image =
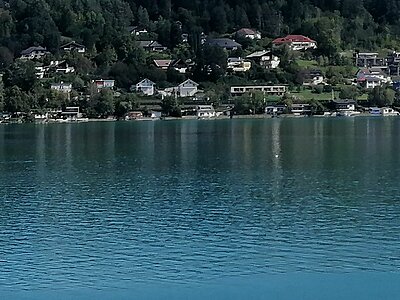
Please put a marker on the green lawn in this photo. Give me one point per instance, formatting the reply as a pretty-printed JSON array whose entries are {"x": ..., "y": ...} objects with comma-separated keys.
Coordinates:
[
  {"x": 307, "y": 64},
  {"x": 308, "y": 95}
]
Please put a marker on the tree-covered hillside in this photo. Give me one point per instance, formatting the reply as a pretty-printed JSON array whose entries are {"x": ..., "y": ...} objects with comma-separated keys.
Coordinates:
[
  {"x": 102, "y": 26},
  {"x": 333, "y": 23}
]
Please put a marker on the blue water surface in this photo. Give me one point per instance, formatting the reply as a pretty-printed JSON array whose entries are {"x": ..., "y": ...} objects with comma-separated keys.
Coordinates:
[{"x": 228, "y": 209}]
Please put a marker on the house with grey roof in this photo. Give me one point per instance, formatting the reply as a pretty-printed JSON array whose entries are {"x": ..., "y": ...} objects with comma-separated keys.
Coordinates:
[
  {"x": 248, "y": 33},
  {"x": 152, "y": 46},
  {"x": 225, "y": 43},
  {"x": 73, "y": 47},
  {"x": 34, "y": 53}
]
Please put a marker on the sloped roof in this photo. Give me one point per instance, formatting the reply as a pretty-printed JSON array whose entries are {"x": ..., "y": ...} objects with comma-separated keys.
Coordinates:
[
  {"x": 258, "y": 54},
  {"x": 72, "y": 43},
  {"x": 149, "y": 44},
  {"x": 147, "y": 81},
  {"x": 32, "y": 49},
  {"x": 223, "y": 43},
  {"x": 145, "y": 44},
  {"x": 189, "y": 81},
  {"x": 293, "y": 38},
  {"x": 247, "y": 31},
  {"x": 162, "y": 63}
]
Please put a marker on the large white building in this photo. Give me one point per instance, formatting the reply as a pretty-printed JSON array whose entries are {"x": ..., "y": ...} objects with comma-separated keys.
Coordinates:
[{"x": 274, "y": 90}]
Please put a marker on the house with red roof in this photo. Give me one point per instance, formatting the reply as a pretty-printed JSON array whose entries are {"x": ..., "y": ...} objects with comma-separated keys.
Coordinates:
[{"x": 295, "y": 42}]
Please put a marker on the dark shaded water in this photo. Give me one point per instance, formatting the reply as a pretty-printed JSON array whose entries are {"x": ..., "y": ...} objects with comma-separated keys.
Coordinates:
[{"x": 199, "y": 209}]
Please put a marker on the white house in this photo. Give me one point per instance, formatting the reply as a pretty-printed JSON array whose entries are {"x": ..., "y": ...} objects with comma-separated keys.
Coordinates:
[
  {"x": 295, "y": 42},
  {"x": 345, "y": 106},
  {"x": 104, "y": 83},
  {"x": 248, "y": 34},
  {"x": 275, "y": 109},
  {"x": 265, "y": 59},
  {"x": 301, "y": 109},
  {"x": 274, "y": 90},
  {"x": 146, "y": 87},
  {"x": 237, "y": 64},
  {"x": 61, "y": 67},
  {"x": 62, "y": 87},
  {"x": 372, "y": 77},
  {"x": 205, "y": 111},
  {"x": 188, "y": 88}
]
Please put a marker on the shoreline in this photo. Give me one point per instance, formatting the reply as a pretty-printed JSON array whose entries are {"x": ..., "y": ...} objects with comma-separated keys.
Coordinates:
[{"x": 193, "y": 118}]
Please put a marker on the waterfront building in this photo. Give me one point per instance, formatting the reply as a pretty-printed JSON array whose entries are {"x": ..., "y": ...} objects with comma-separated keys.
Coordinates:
[
  {"x": 301, "y": 109},
  {"x": 205, "y": 111}
]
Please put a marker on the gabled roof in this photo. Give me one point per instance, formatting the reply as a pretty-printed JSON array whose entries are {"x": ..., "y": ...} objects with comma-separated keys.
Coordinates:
[
  {"x": 150, "y": 44},
  {"x": 155, "y": 44},
  {"x": 247, "y": 31},
  {"x": 223, "y": 43},
  {"x": 72, "y": 43},
  {"x": 144, "y": 44},
  {"x": 190, "y": 81},
  {"x": 162, "y": 63},
  {"x": 371, "y": 72},
  {"x": 179, "y": 62},
  {"x": 292, "y": 38},
  {"x": 147, "y": 81},
  {"x": 258, "y": 54},
  {"x": 33, "y": 49},
  {"x": 234, "y": 59}
]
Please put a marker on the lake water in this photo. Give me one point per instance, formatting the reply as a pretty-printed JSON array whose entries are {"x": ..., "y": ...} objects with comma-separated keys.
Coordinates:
[{"x": 229, "y": 209}]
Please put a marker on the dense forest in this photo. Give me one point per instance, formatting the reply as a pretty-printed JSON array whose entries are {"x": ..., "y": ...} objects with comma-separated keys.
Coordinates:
[
  {"x": 101, "y": 26},
  {"x": 99, "y": 23}
]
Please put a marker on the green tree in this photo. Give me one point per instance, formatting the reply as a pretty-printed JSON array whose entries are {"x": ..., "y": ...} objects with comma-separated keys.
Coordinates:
[
  {"x": 381, "y": 96},
  {"x": 102, "y": 104},
  {"x": 125, "y": 103},
  {"x": 170, "y": 106},
  {"x": 6, "y": 57},
  {"x": 16, "y": 100},
  {"x": 143, "y": 17},
  {"x": 348, "y": 92},
  {"x": 21, "y": 74},
  {"x": 219, "y": 22}
]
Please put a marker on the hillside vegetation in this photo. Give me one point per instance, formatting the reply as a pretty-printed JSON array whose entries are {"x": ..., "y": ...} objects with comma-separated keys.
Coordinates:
[{"x": 112, "y": 52}]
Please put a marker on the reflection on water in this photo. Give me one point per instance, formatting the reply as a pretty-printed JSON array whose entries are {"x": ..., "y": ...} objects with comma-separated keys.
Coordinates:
[{"x": 107, "y": 204}]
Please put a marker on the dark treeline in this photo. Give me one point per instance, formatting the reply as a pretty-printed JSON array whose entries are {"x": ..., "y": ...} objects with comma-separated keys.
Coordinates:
[{"x": 99, "y": 23}]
